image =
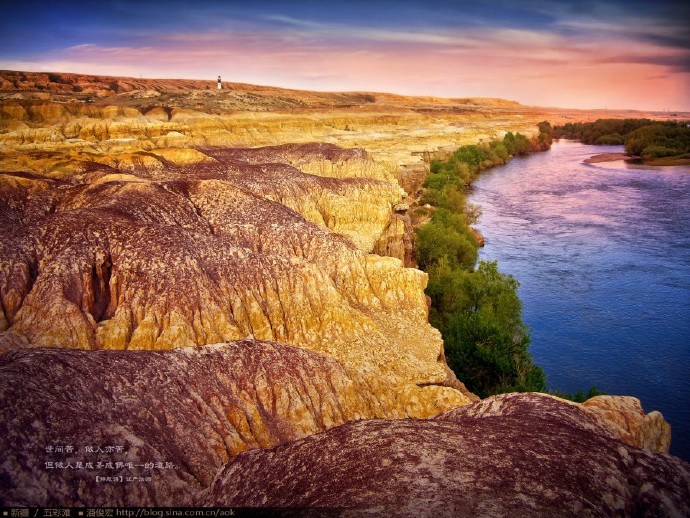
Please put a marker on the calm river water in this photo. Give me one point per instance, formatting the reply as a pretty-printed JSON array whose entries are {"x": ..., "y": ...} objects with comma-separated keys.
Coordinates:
[{"x": 602, "y": 253}]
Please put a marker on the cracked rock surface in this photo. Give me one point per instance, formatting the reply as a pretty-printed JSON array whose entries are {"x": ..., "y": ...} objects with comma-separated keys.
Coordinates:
[
  {"x": 194, "y": 408},
  {"x": 521, "y": 455}
]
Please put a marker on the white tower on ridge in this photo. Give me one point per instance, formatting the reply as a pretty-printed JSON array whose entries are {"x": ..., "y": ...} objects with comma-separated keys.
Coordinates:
[{"x": 220, "y": 85}]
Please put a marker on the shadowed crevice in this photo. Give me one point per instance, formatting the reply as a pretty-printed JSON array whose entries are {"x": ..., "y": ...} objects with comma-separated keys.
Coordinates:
[{"x": 100, "y": 285}]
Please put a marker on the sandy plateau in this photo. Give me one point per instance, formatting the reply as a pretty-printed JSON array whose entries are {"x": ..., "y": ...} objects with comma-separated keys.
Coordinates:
[{"x": 244, "y": 258}]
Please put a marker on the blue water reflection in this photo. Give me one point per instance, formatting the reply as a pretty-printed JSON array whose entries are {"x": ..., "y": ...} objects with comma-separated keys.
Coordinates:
[{"x": 602, "y": 252}]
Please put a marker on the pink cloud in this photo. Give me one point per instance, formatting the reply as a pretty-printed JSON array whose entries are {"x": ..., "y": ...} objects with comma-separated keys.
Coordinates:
[{"x": 533, "y": 67}]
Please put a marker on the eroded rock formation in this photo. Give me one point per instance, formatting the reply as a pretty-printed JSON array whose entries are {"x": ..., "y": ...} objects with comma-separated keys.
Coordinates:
[
  {"x": 234, "y": 425},
  {"x": 624, "y": 417},
  {"x": 195, "y": 408},
  {"x": 234, "y": 246},
  {"x": 511, "y": 455},
  {"x": 144, "y": 233},
  {"x": 392, "y": 129}
]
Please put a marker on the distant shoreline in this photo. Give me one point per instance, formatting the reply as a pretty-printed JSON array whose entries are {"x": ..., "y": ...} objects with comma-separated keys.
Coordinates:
[
  {"x": 609, "y": 157},
  {"x": 612, "y": 157}
]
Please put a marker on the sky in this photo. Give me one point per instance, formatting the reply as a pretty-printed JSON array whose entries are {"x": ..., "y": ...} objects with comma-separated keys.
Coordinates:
[{"x": 622, "y": 54}]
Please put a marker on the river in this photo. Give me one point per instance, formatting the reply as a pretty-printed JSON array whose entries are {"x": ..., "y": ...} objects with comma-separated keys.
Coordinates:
[{"x": 602, "y": 253}]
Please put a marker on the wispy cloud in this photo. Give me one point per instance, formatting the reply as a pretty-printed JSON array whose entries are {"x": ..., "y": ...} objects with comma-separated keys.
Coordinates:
[
  {"x": 677, "y": 62},
  {"x": 311, "y": 29},
  {"x": 587, "y": 54}
]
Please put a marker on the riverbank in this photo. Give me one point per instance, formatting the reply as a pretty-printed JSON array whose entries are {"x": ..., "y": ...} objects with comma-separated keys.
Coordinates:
[
  {"x": 613, "y": 157},
  {"x": 608, "y": 157},
  {"x": 475, "y": 306},
  {"x": 667, "y": 161}
]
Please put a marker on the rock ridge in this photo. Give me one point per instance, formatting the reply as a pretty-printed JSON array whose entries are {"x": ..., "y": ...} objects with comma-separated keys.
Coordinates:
[
  {"x": 509, "y": 455},
  {"x": 254, "y": 423},
  {"x": 193, "y": 407},
  {"x": 238, "y": 246}
]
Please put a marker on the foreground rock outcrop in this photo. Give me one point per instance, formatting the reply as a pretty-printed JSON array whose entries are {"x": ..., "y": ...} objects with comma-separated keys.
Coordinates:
[
  {"x": 262, "y": 424},
  {"x": 523, "y": 455},
  {"x": 624, "y": 417},
  {"x": 192, "y": 408}
]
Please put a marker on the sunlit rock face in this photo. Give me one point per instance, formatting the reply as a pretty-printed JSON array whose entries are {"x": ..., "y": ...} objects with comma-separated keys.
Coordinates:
[
  {"x": 171, "y": 288},
  {"x": 195, "y": 408},
  {"x": 625, "y": 418},
  {"x": 509, "y": 455},
  {"x": 148, "y": 115},
  {"x": 355, "y": 203},
  {"x": 233, "y": 246}
]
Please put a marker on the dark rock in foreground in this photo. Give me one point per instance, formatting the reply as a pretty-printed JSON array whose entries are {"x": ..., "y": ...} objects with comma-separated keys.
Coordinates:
[
  {"x": 511, "y": 455},
  {"x": 185, "y": 419},
  {"x": 177, "y": 416}
]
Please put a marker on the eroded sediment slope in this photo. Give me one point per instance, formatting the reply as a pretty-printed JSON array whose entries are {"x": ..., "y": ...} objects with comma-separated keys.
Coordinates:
[
  {"x": 235, "y": 246},
  {"x": 397, "y": 134}
]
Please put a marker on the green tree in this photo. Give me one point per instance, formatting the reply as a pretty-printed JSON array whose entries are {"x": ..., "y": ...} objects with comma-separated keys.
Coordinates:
[
  {"x": 545, "y": 127},
  {"x": 446, "y": 236},
  {"x": 479, "y": 315},
  {"x": 656, "y": 140},
  {"x": 500, "y": 151},
  {"x": 516, "y": 144},
  {"x": 522, "y": 144},
  {"x": 614, "y": 139}
]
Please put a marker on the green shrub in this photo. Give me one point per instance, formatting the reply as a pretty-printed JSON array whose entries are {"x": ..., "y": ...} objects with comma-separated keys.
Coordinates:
[
  {"x": 661, "y": 138},
  {"x": 591, "y": 132},
  {"x": 579, "y": 396},
  {"x": 660, "y": 152},
  {"x": 516, "y": 144},
  {"x": 616, "y": 139},
  {"x": 499, "y": 150},
  {"x": 447, "y": 236},
  {"x": 479, "y": 315},
  {"x": 471, "y": 155},
  {"x": 545, "y": 128}
]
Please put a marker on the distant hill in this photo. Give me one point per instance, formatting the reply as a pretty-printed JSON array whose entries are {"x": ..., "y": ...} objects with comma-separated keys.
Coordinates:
[{"x": 204, "y": 94}]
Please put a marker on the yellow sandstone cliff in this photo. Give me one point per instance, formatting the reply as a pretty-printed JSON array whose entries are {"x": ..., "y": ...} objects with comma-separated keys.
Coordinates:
[
  {"x": 132, "y": 226},
  {"x": 235, "y": 246}
]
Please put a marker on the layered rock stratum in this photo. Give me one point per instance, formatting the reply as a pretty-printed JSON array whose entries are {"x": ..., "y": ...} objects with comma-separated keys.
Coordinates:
[
  {"x": 526, "y": 455},
  {"x": 207, "y": 279},
  {"x": 194, "y": 408},
  {"x": 238, "y": 425},
  {"x": 235, "y": 246}
]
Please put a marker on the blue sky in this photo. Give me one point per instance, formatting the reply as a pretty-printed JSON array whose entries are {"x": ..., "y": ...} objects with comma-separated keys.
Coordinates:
[{"x": 621, "y": 54}]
